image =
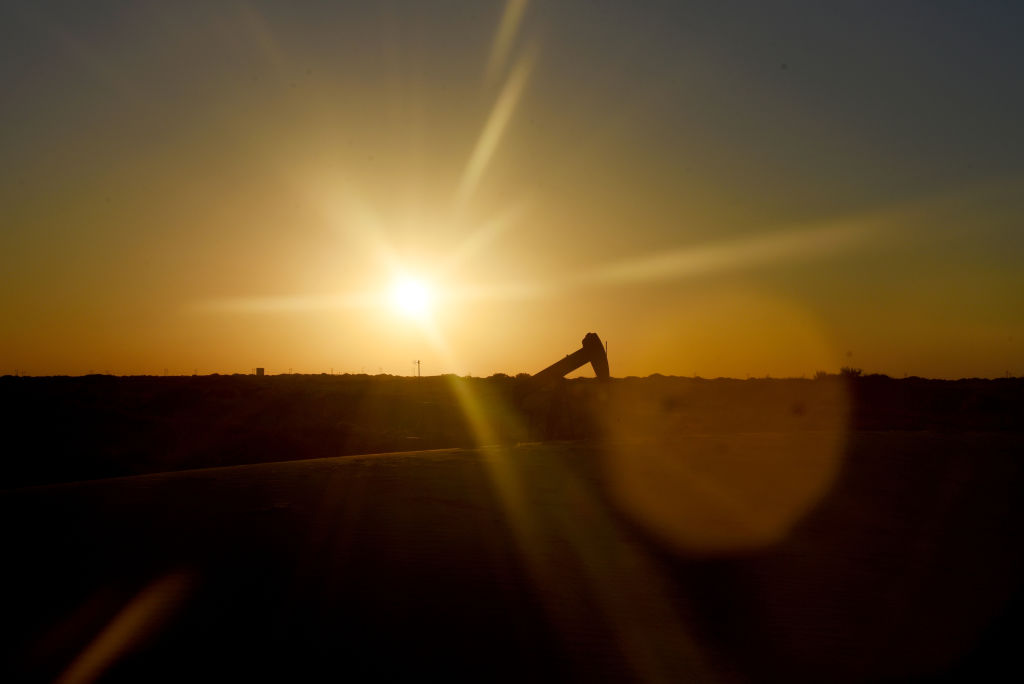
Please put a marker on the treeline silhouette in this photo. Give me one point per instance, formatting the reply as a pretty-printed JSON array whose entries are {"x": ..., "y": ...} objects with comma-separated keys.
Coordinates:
[{"x": 59, "y": 429}]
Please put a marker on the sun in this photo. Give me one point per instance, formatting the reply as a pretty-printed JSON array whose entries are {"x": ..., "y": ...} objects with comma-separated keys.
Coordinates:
[{"x": 411, "y": 297}]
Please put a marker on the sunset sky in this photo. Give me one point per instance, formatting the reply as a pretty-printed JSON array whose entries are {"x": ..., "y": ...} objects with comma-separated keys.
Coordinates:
[{"x": 716, "y": 188}]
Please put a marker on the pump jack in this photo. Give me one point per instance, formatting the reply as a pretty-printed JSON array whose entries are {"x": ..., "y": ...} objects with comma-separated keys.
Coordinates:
[{"x": 592, "y": 352}]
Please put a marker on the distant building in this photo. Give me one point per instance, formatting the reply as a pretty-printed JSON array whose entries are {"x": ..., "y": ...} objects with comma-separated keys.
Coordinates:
[{"x": 259, "y": 372}]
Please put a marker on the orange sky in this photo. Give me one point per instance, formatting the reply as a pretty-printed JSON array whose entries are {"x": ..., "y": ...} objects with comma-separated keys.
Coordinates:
[{"x": 715, "y": 191}]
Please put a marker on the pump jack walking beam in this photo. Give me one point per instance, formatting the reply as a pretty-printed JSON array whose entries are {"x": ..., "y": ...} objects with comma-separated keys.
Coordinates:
[{"x": 591, "y": 352}]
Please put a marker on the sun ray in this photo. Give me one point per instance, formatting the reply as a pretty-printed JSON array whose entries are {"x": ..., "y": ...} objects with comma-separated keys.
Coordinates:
[
  {"x": 746, "y": 252},
  {"x": 292, "y": 304},
  {"x": 486, "y": 233},
  {"x": 678, "y": 264},
  {"x": 494, "y": 129},
  {"x": 508, "y": 29}
]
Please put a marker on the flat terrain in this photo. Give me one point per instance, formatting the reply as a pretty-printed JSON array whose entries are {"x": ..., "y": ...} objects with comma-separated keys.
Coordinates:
[
  {"x": 758, "y": 556},
  {"x": 66, "y": 429}
]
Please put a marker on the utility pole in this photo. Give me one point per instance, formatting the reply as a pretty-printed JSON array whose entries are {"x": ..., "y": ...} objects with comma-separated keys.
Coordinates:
[{"x": 417, "y": 362}]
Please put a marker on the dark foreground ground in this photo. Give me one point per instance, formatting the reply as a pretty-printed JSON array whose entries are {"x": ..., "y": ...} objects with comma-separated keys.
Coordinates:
[
  {"x": 66, "y": 429},
  {"x": 777, "y": 541}
]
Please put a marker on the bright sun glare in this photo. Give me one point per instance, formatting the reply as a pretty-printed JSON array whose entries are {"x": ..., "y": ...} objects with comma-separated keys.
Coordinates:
[{"x": 411, "y": 297}]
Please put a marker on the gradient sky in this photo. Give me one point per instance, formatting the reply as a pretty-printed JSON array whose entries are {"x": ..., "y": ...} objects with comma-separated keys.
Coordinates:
[{"x": 721, "y": 188}]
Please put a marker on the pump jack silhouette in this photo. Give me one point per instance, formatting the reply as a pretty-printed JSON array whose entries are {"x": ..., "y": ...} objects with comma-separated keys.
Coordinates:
[
  {"x": 592, "y": 352},
  {"x": 546, "y": 403}
]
